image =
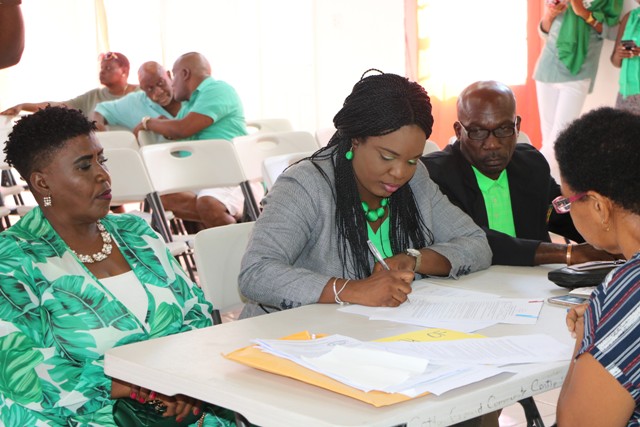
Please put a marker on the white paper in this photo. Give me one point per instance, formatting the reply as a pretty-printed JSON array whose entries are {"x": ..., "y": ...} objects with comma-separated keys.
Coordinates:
[
  {"x": 424, "y": 287},
  {"x": 413, "y": 368},
  {"x": 426, "y": 310},
  {"x": 508, "y": 350}
]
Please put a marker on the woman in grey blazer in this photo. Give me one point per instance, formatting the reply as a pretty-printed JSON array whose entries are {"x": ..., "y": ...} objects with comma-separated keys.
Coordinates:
[{"x": 310, "y": 243}]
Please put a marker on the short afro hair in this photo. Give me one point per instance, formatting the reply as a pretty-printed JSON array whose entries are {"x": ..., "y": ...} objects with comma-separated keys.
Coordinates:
[
  {"x": 35, "y": 138},
  {"x": 600, "y": 151}
]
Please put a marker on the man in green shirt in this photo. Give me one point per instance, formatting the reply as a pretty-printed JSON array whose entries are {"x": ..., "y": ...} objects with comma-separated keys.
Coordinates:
[{"x": 505, "y": 187}]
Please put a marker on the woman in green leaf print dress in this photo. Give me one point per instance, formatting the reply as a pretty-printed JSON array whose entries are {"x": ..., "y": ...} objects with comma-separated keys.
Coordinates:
[{"x": 75, "y": 282}]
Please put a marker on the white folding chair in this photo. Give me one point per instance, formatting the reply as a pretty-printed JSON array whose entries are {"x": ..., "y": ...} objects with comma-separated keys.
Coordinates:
[
  {"x": 146, "y": 137},
  {"x": 323, "y": 135},
  {"x": 12, "y": 193},
  {"x": 117, "y": 139},
  {"x": 523, "y": 138},
  {"x": 273, "y": 166},
  {"x": 253, "y": 149},
  {"x": 430, "y": 147},
  {"x": 268, "y": 125},
  {"x": 218, "y": 252},
  {"x": 130, "y": 183},
  {"x": 196, "y": 165}
]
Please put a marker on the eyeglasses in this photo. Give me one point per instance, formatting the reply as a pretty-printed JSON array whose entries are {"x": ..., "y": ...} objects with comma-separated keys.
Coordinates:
[
  {"x": 562, "y": 205},
  {"x": 482, "y": 134},
  {"x": 107, "y": 56}
]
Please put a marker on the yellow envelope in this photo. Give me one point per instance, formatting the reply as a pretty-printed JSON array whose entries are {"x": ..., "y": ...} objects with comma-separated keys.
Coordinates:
[{"x": 254, "y": 357}]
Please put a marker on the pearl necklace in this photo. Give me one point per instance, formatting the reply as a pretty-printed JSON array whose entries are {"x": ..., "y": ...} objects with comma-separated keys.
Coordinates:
[
  {"x": 373, "y": 215},
  {"x": 106, "y": 247}
]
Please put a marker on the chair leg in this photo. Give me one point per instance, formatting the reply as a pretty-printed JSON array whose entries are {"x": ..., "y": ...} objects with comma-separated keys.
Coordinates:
[{"x": 531, "y": 412}]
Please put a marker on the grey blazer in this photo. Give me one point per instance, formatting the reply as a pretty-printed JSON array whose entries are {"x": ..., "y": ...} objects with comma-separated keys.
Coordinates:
[{"x": 293, "y": 250}]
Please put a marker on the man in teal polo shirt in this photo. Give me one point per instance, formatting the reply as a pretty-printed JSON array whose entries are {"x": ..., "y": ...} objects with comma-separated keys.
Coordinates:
[
  {"x": 211, "y": 110},
  {"x": 154, "y": 100},
  {"x": 505, "y": 187}
]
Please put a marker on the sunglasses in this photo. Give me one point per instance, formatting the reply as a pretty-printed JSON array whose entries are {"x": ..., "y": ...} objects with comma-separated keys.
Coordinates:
[{"x": 107, "y": 56}]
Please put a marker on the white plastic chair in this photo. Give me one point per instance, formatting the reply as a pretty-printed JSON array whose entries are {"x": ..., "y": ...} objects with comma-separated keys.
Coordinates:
[
  {"x": 430, "y": 147},
  {"x": 196, "y": 165},
  {"x": 13, "y": 192},
  {"x": 523, "y": 138},
  {"x": 218, "y": 252},
  {"x": 146, "y": 137},
  {"x": 117, "y": 139},
  {"x": 323, "y": 135},
  {"x": 253, "y": 149},
  {"x": 268, "y": 125},
  {"x": 273, "y": 166},
  {"x": 130, "y": 183}
]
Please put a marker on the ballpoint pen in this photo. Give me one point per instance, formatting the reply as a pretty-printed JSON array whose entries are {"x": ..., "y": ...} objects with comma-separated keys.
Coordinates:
[{"x": 377, "y": 255}]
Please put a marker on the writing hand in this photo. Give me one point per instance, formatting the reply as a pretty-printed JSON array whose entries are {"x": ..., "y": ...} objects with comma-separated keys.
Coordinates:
[
  {"x": 384, "y": 288},
  {"x": 398, "y": 262}
]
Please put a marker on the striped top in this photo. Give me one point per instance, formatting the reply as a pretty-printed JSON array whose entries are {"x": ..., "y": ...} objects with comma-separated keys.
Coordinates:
[{"x": 612, "y": 328}]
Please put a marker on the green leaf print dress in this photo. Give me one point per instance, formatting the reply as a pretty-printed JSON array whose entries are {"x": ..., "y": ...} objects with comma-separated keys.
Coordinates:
[{"x": 57, "y": 320}]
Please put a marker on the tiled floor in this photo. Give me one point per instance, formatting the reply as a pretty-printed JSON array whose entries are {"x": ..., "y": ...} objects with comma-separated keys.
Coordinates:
[{"x": 513, "y": 416}]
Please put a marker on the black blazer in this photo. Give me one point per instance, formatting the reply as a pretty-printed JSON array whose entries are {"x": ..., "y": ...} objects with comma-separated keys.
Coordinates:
[{"x": 531, "y": 187}]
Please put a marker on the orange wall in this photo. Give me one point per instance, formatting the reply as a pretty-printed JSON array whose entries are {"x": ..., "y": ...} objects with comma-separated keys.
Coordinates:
[{"x": 444, "y": 112}]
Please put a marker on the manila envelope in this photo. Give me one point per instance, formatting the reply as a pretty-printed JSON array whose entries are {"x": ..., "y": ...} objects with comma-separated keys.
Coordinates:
[{"x": 255, "y": 358}]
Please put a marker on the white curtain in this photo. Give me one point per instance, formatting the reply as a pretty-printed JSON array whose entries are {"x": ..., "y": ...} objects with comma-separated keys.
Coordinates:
[{"x": 296, "y": 59}]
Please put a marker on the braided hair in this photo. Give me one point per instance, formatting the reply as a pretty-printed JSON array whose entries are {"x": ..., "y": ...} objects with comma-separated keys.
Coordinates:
[{"x": 378, "y": 105}]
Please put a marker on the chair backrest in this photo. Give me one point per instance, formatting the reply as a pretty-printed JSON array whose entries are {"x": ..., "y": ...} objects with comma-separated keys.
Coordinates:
[
  {"x": 130, "y": 181},
  {"x": 323, "y": 135},
  {"x": 268, "y": 125},
  {"x": 117, "y": 139},
  {"x": 192, "y": 165},
  {"x": 430, "y": 147},
  {"x": 273, "y": 166},
  {"x": 146, "y": 137},
  {"x": 253, "y": 149},
  {"x": 523, "y": 138},
  {"x": 218, "y": 252}
]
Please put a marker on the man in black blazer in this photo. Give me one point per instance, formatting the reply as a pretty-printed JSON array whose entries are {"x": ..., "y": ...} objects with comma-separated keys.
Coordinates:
[{"x": 486, "y": 131}]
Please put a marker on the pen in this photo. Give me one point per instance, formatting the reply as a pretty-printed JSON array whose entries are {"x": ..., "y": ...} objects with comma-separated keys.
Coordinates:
[{"x": 378, "y": 257}]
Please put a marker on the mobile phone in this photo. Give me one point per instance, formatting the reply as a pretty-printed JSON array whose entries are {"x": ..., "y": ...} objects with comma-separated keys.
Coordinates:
[
  {"x": 628, "y": 44},
  {"x": 567, "y": 300}
]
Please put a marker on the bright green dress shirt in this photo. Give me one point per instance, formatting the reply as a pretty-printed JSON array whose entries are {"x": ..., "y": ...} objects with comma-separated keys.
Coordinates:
[{"x": 497, "y": 201}]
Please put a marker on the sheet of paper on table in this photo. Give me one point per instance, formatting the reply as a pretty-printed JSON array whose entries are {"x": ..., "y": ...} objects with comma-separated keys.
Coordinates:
[{"x": 466, "y": 315}]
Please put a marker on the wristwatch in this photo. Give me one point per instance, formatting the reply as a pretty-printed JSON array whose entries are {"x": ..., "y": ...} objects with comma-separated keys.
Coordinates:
[{"x": 417, "y": 255}]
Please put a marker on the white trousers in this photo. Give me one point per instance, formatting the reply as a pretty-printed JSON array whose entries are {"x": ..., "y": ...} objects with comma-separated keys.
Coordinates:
[{"x": 559, "y": 104}]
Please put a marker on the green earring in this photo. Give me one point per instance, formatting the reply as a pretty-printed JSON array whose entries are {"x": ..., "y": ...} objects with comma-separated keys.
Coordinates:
[{"x": 349, "y": 154}]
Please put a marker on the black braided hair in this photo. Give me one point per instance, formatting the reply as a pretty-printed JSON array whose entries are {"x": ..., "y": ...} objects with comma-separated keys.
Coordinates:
[{"x": 378, "y": 105}]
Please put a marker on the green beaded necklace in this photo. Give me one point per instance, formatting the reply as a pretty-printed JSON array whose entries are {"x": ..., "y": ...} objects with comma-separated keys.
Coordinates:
[{"x": 373, "y": 215}]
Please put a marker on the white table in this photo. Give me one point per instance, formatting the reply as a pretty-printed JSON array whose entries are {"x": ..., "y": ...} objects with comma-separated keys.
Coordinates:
[{"x": 191, "y": 364}]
